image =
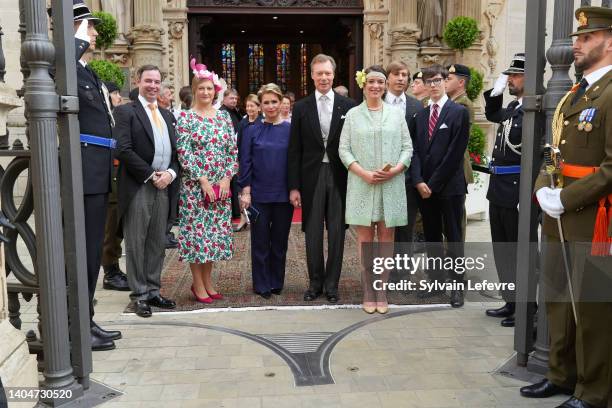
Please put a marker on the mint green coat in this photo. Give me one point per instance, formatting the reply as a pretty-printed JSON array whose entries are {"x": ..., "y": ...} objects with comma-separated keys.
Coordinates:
[{"x": 374, "y": 143}]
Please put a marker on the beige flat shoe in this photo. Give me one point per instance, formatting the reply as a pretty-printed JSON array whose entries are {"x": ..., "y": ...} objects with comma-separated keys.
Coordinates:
[
  {"x": 382, "y": 308},
  {"x": 369, "y": 308}
]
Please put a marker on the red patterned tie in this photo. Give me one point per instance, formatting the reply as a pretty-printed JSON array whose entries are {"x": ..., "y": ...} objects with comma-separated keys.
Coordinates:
[{"x": 433, "y": 119}]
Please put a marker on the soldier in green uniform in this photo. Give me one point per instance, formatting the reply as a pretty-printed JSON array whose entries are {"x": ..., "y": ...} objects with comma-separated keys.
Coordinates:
[
  {"x": 581, "y": 345},
  {"x": 456, "y": 83}
]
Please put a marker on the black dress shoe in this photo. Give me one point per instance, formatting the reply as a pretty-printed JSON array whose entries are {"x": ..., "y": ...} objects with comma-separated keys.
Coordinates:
[
  {"x": 115, "y": 282},
  {"x": 508, "y": 322},
  {"x": 265, "y": 295},
  {"x": 506, "y": 310},
  {"x": 574, "y": 402},
  {"x": 161, "y": 302},
  {"x": 142, "y": 308},
  {"x": 332, "y": 298},
  {"x": 108, "y": 334},
  {"x": 309, "y": 295},
  {"x": 99, "y": 343},
  {"x": 543, "y": 389},
  {"x": 276, "y": 291},
  {"x": 456, "y": 298}
]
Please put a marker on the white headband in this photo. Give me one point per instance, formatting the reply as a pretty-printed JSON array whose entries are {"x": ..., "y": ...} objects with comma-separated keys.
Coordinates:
[{"x": 373, "y": 74}]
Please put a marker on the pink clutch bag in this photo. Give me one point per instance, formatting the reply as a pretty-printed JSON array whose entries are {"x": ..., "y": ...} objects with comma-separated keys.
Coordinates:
[{"x": 216, "y": 188}]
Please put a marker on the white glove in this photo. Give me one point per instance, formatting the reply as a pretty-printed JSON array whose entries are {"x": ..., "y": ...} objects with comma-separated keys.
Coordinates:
[
  {"x": 500, "y": 85},
  {"x": 81, "y": 32},
  {"x": 550, "y": 201}
]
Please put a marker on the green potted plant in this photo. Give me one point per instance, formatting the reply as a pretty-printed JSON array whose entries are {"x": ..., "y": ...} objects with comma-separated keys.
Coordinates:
[
  {"x": 107, "y": 30},
  {"x": 461, "y": 32},
  {"x": 475, "y": 86},
  {"x": 476, "y": 148},
  {"x": 108, "y": 71}
]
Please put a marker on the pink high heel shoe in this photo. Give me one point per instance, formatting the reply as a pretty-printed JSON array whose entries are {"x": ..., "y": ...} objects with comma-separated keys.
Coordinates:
[{"x": 201, "y": 299}]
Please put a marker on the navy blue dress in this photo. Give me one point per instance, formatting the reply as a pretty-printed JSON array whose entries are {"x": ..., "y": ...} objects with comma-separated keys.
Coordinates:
[{"x": 263, "y": 167}]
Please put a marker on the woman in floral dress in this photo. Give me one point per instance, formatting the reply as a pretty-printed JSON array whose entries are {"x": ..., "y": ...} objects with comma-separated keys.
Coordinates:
[{"x": 208, "y": 155}]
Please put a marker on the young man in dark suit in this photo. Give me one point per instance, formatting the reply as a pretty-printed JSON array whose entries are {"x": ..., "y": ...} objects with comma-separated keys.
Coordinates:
[
  {"x": 95, "y": 125},
  {"x": 440, "y": 134},
  {"x": 398, "y": 80},
  {"x": 317, "y": 177},
  {"x": 146, "y": 149}
]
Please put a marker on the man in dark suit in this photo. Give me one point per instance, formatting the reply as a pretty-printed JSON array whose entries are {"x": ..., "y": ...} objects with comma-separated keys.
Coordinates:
[
  {"x": 317, "y": 177},
  {"x": 504, "y": 183},
  {"x": 95, "y": 125},
  {"x": 440, "y": 133},
  {"x": 146, "y": 149},
  {"x": 398, "y": 80}
]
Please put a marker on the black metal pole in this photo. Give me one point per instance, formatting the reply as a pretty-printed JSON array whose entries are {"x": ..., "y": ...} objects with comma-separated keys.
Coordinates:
[
  {"x": 560, "y": 58},
  {"x": 72, "y": 191},
  {"x": 42, "y": 106},
  {"x": 533, "y": 125}
]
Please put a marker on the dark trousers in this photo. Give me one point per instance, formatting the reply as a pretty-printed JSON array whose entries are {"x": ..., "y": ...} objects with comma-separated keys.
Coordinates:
[
  {"x": 326, "y": 210},
  {"x": 579, "y": 356},
  {"x": 111, "y": 251},
  {"x": 235, "y": 188},
  {"x": 442, "y": 214},
  {"x": 95, "y": 205},
  {"x": 269, "y": 241},
  {"x": 504, "y": 234}
]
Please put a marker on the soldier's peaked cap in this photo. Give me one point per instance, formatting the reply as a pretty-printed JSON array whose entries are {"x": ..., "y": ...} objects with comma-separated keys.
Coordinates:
[
  {"x": 80, "y": 11},
  {"x": 593, "y": 19}
]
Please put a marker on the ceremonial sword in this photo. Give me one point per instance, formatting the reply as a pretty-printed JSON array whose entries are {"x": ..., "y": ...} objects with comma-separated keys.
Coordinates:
[{"x": 552, "y": 160}]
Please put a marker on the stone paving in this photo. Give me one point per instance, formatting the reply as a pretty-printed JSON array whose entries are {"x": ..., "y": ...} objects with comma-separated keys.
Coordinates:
[{"x": 442, "y": 358}]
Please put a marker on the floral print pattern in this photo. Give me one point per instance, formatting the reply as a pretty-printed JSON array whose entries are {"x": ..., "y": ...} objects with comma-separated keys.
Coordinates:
[{"x": 205, "y": 147}]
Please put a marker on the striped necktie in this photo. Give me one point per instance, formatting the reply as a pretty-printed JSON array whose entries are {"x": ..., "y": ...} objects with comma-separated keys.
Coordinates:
[{"x": 433, "y": 119}]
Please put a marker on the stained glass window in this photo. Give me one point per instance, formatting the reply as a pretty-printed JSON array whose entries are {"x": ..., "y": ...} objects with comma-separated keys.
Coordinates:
[
  {"x": 256, "y": 67},
  {"x": 283, "y": 66},
  {"x": 304, "y": 69},
  {"x": 228, "y": 61}
]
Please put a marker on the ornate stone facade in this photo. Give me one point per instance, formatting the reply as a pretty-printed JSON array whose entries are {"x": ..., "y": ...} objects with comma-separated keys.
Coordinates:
[{"x": 156, "y": 31}]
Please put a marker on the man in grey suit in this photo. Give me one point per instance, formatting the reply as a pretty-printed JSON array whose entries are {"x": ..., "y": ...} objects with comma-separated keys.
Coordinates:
[
  {"x": 146, "y": 149},
  {"x": 398, "y": 80}
]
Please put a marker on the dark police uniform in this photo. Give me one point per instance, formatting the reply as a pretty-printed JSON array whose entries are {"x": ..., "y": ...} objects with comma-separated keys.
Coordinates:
[
  {"x": 580, "y": 356},
  {"x": 504, "y": 183},
  {"x": 94, "y": 119}
]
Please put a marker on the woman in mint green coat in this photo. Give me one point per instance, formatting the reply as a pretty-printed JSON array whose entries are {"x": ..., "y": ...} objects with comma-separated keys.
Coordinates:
[{"x": 376, "y": 148}]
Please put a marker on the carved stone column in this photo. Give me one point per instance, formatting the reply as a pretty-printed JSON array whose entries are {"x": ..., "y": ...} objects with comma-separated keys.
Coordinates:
[
  {"x": 146, "y": 35},
  {"x": 177, "y": 55},
  {"x": 404, "y": 32},
  {"x": 375, "y": 22}
]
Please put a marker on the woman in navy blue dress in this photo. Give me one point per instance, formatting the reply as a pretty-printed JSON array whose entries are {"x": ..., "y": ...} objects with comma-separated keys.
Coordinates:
[{"x": 263, "y": 177}]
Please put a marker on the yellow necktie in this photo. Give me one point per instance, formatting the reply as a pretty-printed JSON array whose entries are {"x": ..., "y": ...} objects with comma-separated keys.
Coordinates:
[{"x": 155, "y": 116}]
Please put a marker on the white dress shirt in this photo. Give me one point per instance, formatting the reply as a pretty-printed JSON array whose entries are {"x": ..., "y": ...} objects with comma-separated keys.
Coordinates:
[
  {"x": 399, "y": 101},
  {"x": 440, "y": 104}
]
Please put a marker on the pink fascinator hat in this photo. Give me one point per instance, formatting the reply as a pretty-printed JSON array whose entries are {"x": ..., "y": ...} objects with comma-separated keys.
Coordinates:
[{"x": 201, "y": 72}]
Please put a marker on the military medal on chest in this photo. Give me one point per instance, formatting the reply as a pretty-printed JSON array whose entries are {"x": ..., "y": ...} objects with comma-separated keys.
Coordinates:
[{"x": 585, "y": 120}]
